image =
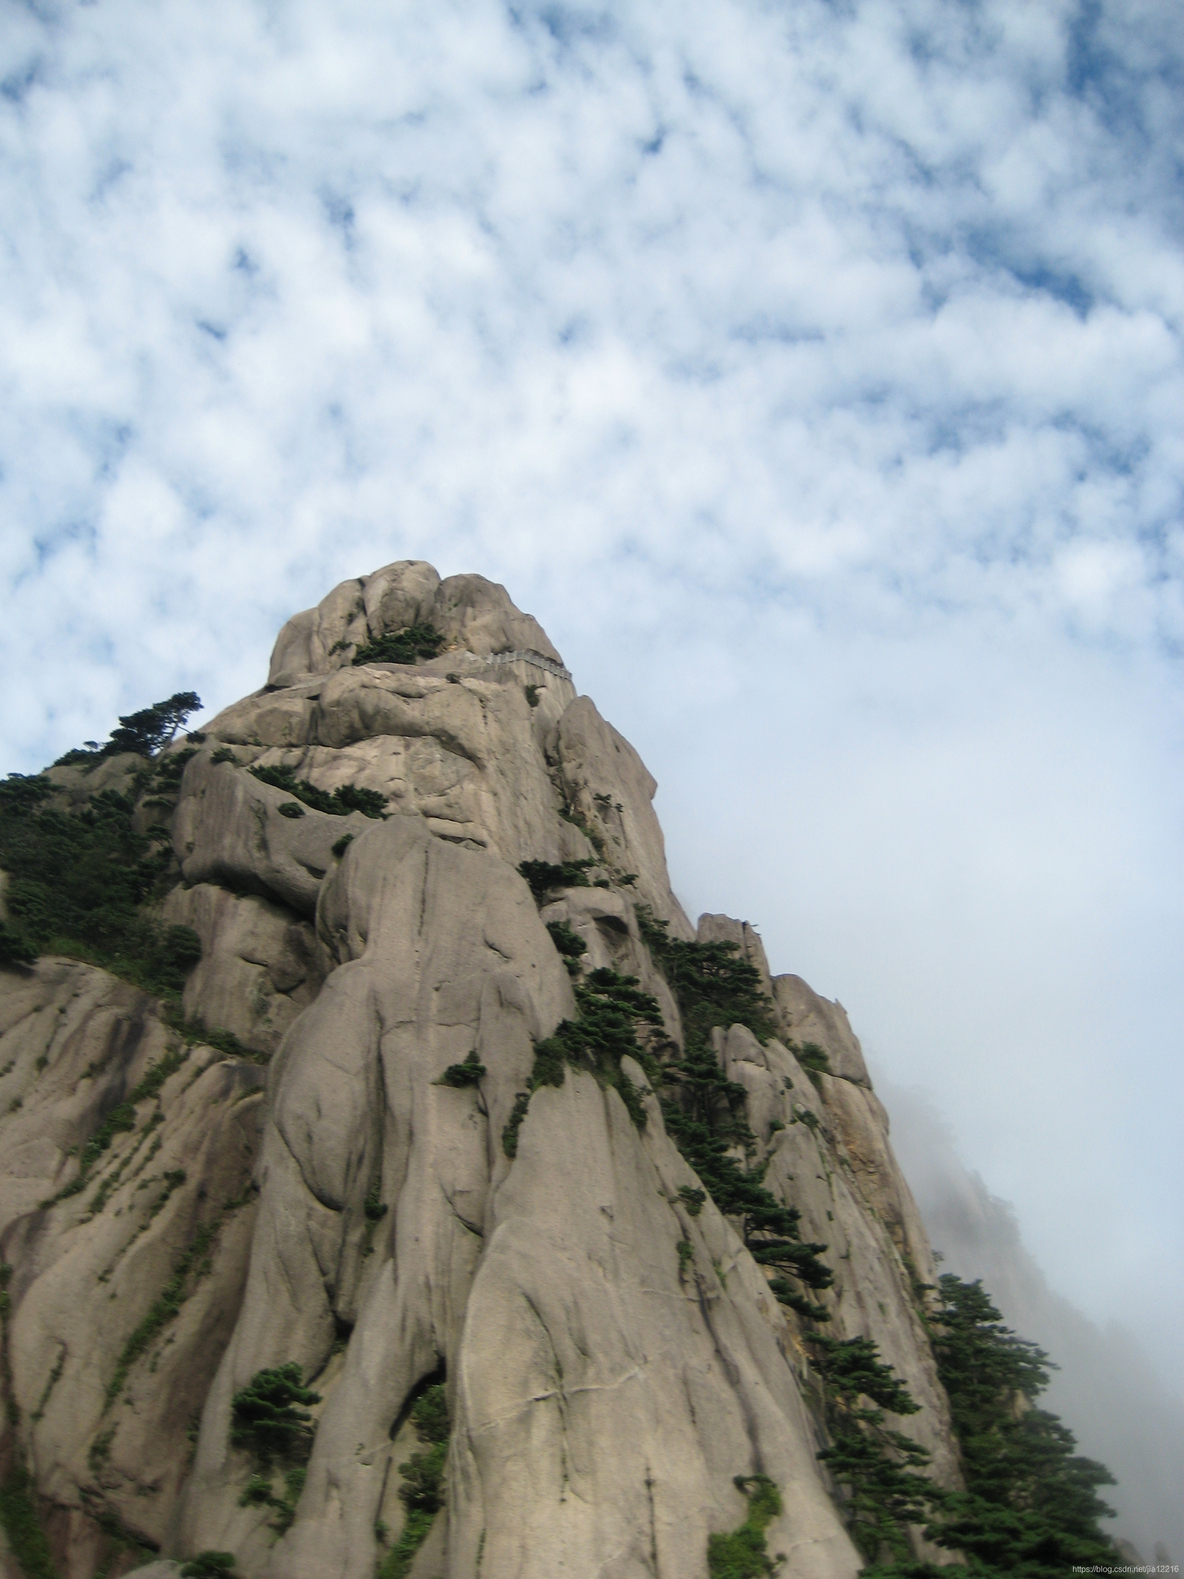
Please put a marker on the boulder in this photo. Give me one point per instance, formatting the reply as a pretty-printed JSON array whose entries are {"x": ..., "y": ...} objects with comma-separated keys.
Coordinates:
[
  {"x": 723, "y": 929},
  {"x": 808, "y": 1017},
  {"x": 228, "y": 829},
  {"x": 260, "y": 963},
  {"x": 472, "y": 614}
]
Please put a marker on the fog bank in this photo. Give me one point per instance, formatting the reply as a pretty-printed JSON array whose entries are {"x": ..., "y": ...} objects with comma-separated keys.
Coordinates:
[{"x": 1106, "y": 1391}]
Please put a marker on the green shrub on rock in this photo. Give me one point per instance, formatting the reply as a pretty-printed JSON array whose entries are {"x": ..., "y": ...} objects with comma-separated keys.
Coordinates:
[
  {"x": 19, "y": 1521},
  {"x": 422, "y": 1491},
  {"x": 460, "y": 1075},
  {"x": 815, "y": 1061},
  {"x": 852, "y": 1369},
  {"x": 743, "y": 1553},
  {"x": 545, "y": 877},
  {"x": 352, "y": 797},
  {"x": 209, "y": 1565},
  {"x": 429, "y": 1413},
  {"x": 265, "y": 1419},
  {"x": 611, "y": 1008},
  {"x": 170, "y": 770},
  {"x": 344, "y": 799},
  {"x": 879, "y": 1469},
  {"x": 713, "y": 982},
  {"x": 514, "y": 1124},
  {"x": 705, "y": 1112},
  {"x": 570, "y": 944},
  {"x": 15, "y": 949},
  {"x": 1030, "y": 1506},
  {"x": 402, "y": 646}
]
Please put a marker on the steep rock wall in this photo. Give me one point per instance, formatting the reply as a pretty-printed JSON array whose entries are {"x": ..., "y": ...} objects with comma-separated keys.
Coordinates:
[
  {"x": 109, "y": 1383},
  {"x": 612, "y": 1359}
]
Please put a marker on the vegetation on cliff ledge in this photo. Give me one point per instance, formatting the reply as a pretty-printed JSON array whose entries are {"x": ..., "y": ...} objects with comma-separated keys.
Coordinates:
[
  {"x": 78, "y": 884},
  {"x": 143, "y": 733},
  {"x": 422, "y": 1491},
  {"x": 743, "y": 1553},
  {"x": 344, "y": 799},
  {"x": 878, "y": 1469},
  {"x": 705, "y": 1112},
  {"x": 402, "y": 646},
  {"x": 267, "y": 1422},
  {"x": 611, "y": 1008},
  {"x": 545, "y": 877},
  {"x": 1030, "y": 1506},
  {"x": 18, "y": 1519},
  {"x": 80, "y": 881}
]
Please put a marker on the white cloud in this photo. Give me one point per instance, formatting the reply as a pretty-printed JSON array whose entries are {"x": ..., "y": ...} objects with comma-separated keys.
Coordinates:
[{"x": 813, "y": 373}]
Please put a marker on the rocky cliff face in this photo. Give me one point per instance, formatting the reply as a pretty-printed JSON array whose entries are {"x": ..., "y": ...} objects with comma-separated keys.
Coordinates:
[{"x": 317, "y": 1185}]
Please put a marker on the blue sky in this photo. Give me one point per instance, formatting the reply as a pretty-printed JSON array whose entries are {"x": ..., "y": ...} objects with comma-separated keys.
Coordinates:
[{"x": 811, "y": 371}]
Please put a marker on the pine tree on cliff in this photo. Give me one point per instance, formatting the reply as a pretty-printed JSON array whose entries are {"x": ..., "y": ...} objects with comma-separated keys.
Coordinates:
[{"x": 1031, "y": 1505}]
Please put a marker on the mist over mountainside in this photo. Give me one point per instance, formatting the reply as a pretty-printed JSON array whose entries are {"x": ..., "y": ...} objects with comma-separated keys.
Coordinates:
[{"x": 1105, "y": 1390}]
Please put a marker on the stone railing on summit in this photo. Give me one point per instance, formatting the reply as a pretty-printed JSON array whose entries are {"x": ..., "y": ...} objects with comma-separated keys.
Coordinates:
[{"x": 527, "y": 656}]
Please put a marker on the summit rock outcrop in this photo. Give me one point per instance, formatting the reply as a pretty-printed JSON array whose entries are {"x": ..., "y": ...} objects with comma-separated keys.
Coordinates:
[{"x": 362, "y": 1173}]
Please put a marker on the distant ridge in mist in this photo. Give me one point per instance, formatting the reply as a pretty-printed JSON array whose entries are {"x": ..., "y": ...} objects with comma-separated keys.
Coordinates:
[{"x": 1106, "y": 1392}]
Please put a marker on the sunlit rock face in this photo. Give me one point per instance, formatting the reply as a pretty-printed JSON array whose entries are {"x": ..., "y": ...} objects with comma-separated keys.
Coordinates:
[{"x": 307, "y": 1189}]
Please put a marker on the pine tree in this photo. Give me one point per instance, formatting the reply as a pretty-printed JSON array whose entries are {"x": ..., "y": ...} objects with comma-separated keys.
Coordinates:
[{"x": 1031, "y": 1506}]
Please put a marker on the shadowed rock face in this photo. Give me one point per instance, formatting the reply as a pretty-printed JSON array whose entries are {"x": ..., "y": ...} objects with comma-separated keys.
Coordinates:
[{"x": 612, "y": 1360}]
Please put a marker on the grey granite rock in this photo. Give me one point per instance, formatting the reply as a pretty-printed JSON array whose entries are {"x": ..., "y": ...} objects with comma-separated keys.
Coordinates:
[
  {"x": 108, "y": 1411},
  {"x": 260, "y": 964},
  {"x": 474, "y": 616},
  {"x": 612, "y": 1359},
  {"x": 228, "y": 829},
  {"x": 723, "y": 929},
  {"x": 808, "y": 1017}
]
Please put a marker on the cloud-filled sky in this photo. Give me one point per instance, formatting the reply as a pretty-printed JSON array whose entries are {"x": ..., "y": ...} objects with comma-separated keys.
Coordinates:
[{"x": 811, "y": 370}]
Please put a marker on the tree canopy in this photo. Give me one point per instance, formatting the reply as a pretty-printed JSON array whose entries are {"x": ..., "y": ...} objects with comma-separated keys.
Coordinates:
[
  {"x": 145, "y": 732},
  {"x": 1031, "y": 1506}
]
